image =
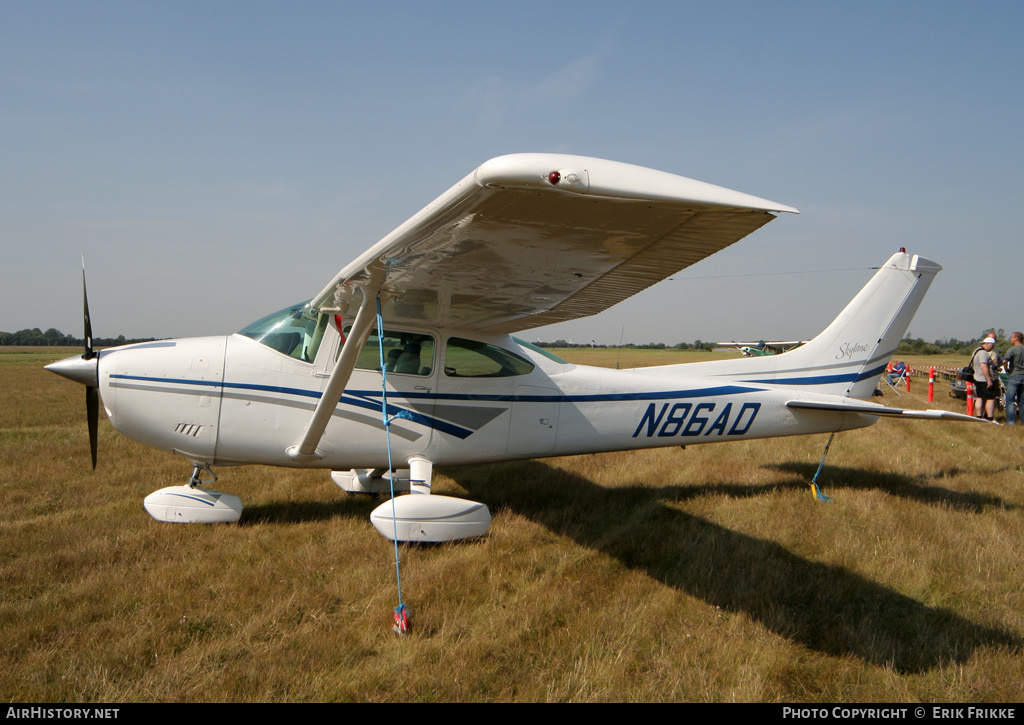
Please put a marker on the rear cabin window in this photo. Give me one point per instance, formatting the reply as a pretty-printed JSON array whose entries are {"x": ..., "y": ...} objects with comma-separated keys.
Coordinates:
[
  {"x": 471, "y": 359},
  {"x": 541, "y": 351}
]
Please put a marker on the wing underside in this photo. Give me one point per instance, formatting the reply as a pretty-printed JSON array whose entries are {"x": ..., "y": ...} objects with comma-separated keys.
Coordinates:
[{"x": 514, "y": 246}]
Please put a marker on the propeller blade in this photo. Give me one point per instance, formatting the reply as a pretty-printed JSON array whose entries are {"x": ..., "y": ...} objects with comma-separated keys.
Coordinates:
[
  {"x": 92, "y": 394},
  {"x": 88, "y": 354},
  {"x": 85, "y": 369},
  {"x": 92, "y": 413}
]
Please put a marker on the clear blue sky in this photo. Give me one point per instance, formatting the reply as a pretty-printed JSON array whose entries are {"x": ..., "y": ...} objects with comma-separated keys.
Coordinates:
[{"x": 217, "y": 161}]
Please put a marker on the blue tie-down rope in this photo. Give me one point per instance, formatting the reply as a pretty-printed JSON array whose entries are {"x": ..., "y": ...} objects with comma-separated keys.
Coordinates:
[{"x": 401, "y": 613}]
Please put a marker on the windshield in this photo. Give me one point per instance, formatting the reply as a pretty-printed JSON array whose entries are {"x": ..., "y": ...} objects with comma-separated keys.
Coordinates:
[{"x": 296, "y": 331}]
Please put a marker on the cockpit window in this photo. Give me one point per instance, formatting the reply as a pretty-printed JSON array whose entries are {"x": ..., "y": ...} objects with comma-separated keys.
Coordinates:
[
  {"x": 472, "y": 359},
  {"x": 296, "y": 331}
]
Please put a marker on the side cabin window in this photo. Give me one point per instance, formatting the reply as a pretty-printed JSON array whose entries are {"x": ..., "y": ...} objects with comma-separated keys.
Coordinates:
[
  {"x": 471, "y": 359},
  {"x": 540, "y": 351},
  {"x": 295, "y": 331},
  {"x": 405, "y": 353}
]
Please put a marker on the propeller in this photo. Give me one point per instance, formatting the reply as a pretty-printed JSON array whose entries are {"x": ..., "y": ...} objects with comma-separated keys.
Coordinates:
[
  {"x": 84, "y": 369},
  {"x": 92, "y": 393}
]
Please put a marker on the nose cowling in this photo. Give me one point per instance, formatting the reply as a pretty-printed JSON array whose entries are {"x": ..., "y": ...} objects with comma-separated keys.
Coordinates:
[
  {"x": 166, "y": 394},
  {"x": 77, "y": 368}
]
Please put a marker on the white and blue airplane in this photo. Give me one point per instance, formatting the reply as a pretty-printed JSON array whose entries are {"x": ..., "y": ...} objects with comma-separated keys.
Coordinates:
[{"x": 523, "y": 241}]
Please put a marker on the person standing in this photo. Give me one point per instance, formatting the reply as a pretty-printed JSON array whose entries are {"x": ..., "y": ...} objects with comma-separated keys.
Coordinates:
[
  {"x": 986, "y": 381},
  {"x": 1015, "y": 378}
]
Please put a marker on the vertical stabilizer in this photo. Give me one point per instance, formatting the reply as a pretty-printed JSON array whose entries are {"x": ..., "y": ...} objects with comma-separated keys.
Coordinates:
[
  {"x": 847, "y": 358},
  {"x": 853, "y": 351}
]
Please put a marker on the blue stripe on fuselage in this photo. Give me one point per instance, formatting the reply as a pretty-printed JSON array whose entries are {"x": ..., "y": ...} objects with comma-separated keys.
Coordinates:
[
  {"x": 823, "y": 379},
  {"x": 369, "y": 399}
]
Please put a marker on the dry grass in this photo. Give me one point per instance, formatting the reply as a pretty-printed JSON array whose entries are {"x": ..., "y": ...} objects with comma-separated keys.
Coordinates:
[{"x": 705, "y": 574}]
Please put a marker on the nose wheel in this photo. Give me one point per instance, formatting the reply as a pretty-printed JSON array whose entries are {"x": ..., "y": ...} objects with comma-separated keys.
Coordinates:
[{"x": 192, "y": 503}]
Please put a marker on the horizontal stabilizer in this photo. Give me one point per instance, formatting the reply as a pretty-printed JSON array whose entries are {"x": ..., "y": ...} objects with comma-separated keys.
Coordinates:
[{"x": 881, "y": 410}]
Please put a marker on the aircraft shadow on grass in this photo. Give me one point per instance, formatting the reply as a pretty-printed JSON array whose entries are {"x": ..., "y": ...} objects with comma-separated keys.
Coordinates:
[
  {"x": 906, "y": 487},
  {"x": 823, "y": 607},
  {"x": 357, "y": 508}
]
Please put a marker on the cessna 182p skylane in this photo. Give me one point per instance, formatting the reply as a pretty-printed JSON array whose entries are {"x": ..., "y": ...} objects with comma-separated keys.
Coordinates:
[{"x": 523, "y": 241}]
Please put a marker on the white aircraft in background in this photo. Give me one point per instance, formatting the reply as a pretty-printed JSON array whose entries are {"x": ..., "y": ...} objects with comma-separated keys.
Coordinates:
[
  {"x": 762, "y": 348},
  {"x": 523, "y": 241}
]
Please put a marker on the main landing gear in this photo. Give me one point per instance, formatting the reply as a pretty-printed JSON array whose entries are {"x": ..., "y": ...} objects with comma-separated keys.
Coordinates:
[{"x": 416, "y": 517}]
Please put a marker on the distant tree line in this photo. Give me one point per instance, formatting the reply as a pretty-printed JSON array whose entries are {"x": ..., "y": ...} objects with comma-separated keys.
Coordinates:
[
  {"x": 908, "y": 346},
  {"x": 695, "y": 345},
  {"x": 916, "y": 346},
  {"x": 52, "y": 337}
]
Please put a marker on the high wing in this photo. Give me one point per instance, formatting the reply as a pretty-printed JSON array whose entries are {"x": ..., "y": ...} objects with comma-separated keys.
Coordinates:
[{"x": 532, "y": 239}]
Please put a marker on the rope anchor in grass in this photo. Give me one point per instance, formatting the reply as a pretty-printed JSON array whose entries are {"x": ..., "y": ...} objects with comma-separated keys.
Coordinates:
[{"x": 814, "y": 481}]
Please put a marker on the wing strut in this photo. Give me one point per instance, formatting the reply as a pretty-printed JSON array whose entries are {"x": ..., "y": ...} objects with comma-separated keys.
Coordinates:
[{"x": 306, "y": 449}]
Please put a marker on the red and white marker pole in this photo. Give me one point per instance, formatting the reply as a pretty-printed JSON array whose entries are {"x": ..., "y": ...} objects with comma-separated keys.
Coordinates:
[
  {"x": 970, "y": 398},
  {"x": 931, "y": 384}
]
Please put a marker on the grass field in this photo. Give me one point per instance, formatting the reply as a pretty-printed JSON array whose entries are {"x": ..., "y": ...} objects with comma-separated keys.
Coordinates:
[{"x": 704, "y": 574}]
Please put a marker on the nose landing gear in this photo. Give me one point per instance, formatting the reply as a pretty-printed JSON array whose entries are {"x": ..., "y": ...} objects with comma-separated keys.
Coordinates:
[{"x": 192, "y": 504}]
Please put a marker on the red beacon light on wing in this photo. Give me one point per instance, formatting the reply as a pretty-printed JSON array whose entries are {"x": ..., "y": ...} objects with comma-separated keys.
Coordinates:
[{"x": 568, "y": 177}]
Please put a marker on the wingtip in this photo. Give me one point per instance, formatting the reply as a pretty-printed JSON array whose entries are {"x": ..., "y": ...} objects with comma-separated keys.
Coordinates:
[{"x": 617, "y": 180}]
